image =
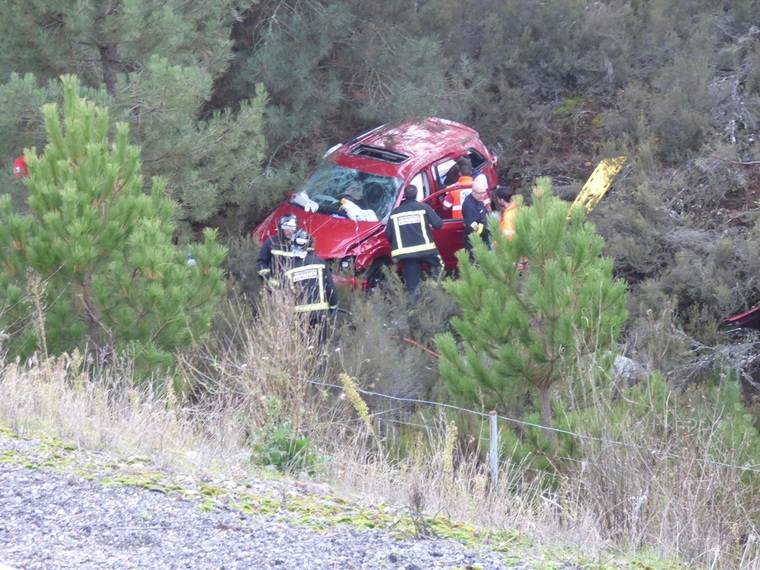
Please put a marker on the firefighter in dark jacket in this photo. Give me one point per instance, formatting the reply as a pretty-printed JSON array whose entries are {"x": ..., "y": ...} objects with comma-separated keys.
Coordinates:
[
  {"x": 311, "y": 282},
  {"x": 411, "y": 238},
  {"x": 475, "y": 214},
  {"x": 275, "y": 254}
]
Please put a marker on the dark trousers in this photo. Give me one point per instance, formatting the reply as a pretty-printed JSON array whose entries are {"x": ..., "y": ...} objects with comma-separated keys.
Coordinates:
[
  {"x": 319, "y": 322},
  {"x": 484, "y": 237},
  {"x": 411, "y": 269}
]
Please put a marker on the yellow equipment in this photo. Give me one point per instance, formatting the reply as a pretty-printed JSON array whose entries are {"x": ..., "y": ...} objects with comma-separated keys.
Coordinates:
[{"x": 598, "y": 183}]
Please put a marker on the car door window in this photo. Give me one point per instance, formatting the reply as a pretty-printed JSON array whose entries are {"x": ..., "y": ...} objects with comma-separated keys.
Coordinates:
[
  {"x": 420, "y": 180},
  {"x": 476, "y": 159},
  {"x": 440, "y": 171},
  {"x": 444, "y": 175}
]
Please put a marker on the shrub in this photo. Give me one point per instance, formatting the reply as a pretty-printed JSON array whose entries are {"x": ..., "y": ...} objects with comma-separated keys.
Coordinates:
[
  {"x": 392, "y": 357},
  {"x": 671, "y": 470},
  {"x": 283, "y": 448}
]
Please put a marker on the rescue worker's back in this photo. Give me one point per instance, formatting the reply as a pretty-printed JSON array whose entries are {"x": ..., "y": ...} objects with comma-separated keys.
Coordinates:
[
  {"x": 408, "y": 228},
  {"x": 409, "y": 231}
]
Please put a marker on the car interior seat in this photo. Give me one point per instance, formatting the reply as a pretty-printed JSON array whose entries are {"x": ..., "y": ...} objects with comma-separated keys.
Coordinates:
[{"x": 373, "y": 195}]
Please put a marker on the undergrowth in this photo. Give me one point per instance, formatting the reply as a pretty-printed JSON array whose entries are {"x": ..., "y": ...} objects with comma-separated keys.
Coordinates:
[{"x": 650, "y": 475}]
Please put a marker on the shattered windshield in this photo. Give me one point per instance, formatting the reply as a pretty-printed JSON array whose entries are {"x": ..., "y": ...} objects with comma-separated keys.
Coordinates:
[{"x": 368, "y": 191}]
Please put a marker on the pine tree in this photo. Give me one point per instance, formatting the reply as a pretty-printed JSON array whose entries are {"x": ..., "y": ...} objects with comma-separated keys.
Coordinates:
[
  {"x": 521, "y": 329},
  {"x": 101, "y": 246},
  {"x": 153, "y": 64}
]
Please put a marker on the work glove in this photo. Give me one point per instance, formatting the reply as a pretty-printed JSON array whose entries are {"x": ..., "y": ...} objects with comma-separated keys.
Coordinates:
[
  {"x": 479, "y": 229},
  {"x": 264, "y": 273}
]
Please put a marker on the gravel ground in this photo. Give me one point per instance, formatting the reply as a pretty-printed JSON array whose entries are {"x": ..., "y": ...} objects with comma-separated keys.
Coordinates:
[{"x": 54, "y": 520}]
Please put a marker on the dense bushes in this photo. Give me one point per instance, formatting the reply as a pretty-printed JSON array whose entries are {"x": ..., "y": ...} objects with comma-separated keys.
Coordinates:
[{"x": 154, "y": 68}]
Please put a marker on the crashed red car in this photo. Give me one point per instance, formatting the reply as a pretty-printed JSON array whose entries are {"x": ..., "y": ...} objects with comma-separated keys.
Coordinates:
[{"x": 371, "y": 170}]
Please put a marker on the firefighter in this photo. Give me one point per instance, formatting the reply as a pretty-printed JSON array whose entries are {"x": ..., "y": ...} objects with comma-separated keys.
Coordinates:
[
  {"x": 475, "y": 213},
  {"x": 275, "y": 254},
  {"x": 311, "y": 281},
  {"x": 410, "y": 235},
  {"x": 454, "y": 198}
]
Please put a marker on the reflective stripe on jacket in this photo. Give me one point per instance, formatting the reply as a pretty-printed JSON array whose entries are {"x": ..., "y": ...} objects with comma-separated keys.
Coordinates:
[
  {"x": 308, "y": 282},
  {"x": 409, "y": 229},
  {"x": 274, "y": 257},
  {"x": 454, "y": 199},
  {"x": 410, "y": 233}
]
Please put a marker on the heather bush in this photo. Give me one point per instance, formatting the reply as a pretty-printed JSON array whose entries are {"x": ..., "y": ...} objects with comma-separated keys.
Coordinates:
[{"x": 396, "y": 353}]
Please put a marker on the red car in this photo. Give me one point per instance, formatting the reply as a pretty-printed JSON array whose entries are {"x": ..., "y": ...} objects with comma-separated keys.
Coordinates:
[{"x": 371, "y": 170}]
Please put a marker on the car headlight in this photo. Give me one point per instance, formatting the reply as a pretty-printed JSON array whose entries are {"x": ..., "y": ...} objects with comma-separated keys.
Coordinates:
[{"x": 347, "y": 264}]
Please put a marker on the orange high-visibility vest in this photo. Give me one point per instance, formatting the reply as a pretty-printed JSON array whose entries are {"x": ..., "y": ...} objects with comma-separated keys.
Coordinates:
[
  {"x": 454, "y": 198},
  {"x": 507, "y": 221}
]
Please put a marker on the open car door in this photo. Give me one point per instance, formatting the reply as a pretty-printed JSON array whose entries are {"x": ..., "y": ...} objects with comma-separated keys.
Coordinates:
[{"x": 450, "y": 238}]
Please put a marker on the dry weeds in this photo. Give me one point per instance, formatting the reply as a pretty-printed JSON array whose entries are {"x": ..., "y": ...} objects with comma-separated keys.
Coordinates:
[{"x": 620, "y": 496}]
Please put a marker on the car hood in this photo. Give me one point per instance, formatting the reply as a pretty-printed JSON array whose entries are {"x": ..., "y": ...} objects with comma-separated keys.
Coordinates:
[{"x": 334, "y": 236}]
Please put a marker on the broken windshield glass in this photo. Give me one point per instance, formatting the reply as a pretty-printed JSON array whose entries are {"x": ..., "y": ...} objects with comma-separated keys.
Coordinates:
[{"x": 330, "y": 183}]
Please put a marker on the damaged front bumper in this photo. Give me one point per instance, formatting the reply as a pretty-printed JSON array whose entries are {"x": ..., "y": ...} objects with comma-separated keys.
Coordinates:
[{"x": 345, "y": 274}]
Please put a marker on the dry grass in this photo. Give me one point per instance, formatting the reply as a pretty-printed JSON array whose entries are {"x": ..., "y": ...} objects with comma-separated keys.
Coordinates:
[
  {"x": 257, "y": 365},
  {"x": 670, "y": 489},
  {"x": 665, "y": 477},
  {"x": 103, "y": 409},
  {"x": 618, "y": 497}
]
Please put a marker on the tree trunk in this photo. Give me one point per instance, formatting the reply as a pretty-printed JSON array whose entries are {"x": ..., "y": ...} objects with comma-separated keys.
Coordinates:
[
  {"x": 108, "y": 61},
  {"x": 109, "y": 57},
  {"x": 546, "y": 415},
  {"x": 98, "y": 332}
]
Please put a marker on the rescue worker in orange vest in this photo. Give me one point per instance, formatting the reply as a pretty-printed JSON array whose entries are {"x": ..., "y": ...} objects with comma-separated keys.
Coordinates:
[
  {"x": 507, "y": 203},
  {"x": 453, "y": 200},
  {"x": 409, "y": 231}
]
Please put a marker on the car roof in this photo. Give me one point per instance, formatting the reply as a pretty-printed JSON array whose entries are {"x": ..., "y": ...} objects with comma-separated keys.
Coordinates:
[{"x": 402, "y": 149}]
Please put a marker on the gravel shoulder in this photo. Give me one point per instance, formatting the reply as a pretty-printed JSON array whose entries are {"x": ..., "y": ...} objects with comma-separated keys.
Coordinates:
[{"x": 67, "y": 508}]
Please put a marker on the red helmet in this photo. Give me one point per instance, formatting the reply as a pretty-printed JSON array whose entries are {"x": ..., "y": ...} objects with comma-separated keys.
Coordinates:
[{"x": 19, "y": 168}]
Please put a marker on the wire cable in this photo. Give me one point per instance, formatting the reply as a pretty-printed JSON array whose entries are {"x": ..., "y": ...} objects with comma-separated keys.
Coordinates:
[{"x": 752, "y": 468}]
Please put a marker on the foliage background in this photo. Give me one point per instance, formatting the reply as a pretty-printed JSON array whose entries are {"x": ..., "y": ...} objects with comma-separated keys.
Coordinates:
[{"x": 233, "y": 101}]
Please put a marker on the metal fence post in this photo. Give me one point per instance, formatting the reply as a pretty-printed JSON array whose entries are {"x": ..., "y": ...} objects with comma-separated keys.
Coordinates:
[{"x": 493, "y": 451}]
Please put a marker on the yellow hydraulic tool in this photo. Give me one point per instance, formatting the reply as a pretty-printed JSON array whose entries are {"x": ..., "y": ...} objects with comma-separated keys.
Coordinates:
[{"x": 598, "y": 183}]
